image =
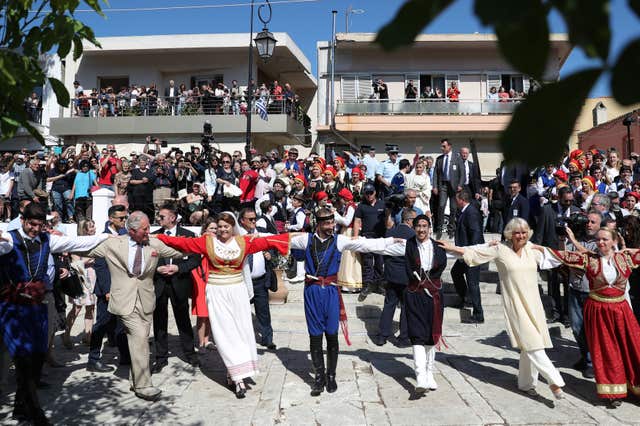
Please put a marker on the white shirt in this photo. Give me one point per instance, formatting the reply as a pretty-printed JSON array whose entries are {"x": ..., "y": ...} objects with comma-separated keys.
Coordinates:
[
  {"x": 300, "y": 217},
  {"x": 133, "y": 247},
  {"x": 466, "y": 172},
  {"x": 258, "y": 266},
  {"x": 384, "y": 246},
  {"x": 346, "y": 219},
  {"x": 425, "y": 249},
  {"x": 57, "y": 243}
]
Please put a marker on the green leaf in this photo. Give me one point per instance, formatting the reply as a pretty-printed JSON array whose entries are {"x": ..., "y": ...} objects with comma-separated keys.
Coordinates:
[
  {"x": 519, "y": 24},
  {"x": 624, "y": 76},
  {"x": 588, "y": 25},
  {"x": 542, "y": 124},
  {"x": 635, "y": 6},
  {"x": 412, "y": 17},
  {"x": 61, "y": 92},
  {"x": 77, "y": 48}
]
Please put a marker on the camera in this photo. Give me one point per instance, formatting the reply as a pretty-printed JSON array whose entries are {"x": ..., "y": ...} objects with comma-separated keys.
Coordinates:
[
  {"x": 577, "y": 222},
  {"x": 394, "y": 202},
  {"x": 164, "y": 144}
]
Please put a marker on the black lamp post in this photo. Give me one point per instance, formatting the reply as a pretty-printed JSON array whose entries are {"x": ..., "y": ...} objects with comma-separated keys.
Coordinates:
[
  {"x": 628, "y": 121},
  {"x": 266, "y": 43}
]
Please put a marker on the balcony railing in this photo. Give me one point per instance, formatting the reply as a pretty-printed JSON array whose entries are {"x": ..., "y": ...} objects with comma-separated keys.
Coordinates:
[
  {"x": 425, "y": 107},
  {"x": 126, "y": 106}
]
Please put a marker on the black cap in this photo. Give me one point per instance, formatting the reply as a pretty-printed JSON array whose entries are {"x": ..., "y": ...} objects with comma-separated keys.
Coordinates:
[
  {"x": 613, "y": 195},
  {"x": 368, "y": 188},
  {"x": 391, "y": 148}
]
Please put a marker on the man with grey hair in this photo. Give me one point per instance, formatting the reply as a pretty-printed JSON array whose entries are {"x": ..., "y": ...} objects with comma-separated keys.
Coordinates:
[
  {"x": 410, "y": 196},
  {"x": 132, "y": 261}
]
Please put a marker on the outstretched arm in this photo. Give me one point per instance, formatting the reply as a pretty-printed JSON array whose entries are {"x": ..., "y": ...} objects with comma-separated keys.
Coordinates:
[
  {"x": 371, "y": 245},
  {"x": 277, "y": 242},
  {"x": 185, "y": 244}
]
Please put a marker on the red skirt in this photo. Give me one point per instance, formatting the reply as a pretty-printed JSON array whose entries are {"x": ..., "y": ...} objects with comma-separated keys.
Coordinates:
[
  {"x": 613, "y": 336},
  {"x": 199, "y": 294}
]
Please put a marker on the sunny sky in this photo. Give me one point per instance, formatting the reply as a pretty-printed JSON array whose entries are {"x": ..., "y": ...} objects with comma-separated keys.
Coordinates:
[{"x": 308, "y": 21}]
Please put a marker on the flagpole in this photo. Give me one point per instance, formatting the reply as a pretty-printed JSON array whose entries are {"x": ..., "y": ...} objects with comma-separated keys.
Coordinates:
[{"x": 247, "y": 144}]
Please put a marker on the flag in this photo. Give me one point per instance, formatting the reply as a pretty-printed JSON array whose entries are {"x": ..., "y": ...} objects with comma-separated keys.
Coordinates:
[{"x": 261, "y": 107}]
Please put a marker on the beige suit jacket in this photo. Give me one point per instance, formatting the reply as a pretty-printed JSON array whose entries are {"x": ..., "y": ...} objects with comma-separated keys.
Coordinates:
[{"x": 125, "y": 288}]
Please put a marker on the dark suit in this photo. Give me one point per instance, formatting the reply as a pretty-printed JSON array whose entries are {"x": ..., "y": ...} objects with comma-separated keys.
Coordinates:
[
  {"x": 546, "y": 235},
  {"x": 468, "y": 233},
  {"x": 516, "y": 207},
  {"x": 395, "y": 273},
  {"x": 172, "y": 101},
  {"x": 261, "y": 285},
  {"x": 176, "y": 288},
  {"x": 474, "y": 184},
  {"x": 447, "y": 183},
  {"x": 106, "y": 323}
]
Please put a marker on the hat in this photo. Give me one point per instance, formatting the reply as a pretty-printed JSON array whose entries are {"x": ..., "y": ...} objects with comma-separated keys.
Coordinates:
[
  {"x": 331, "y": 170},
  {"x": 391, "y": 148},
  {"x": 346, "y": 194},
  {"x": 133, "y": 153},
  {"x": 320, "y": 195},
  {"x": 560, "y": 174},
  {"x": 293, "y": 149},
  {"x": 300, "y": 177},
  {"x": 299, "y": 197},
  {"x": 590, "y": 180},
  {"x": 613, "y": 195},
  {"x": 576, "y": 153},
  {"x": 322, "y": 161},
  {"x": 256, "y": 159},
  {"x": 634, "y": 195},
  {"x": 321, "y": 218},
  {"x": 357, "y": 171},
  {"x": 340, "y": 160},
  {"x": 575, "y": 163},
  {"x": 281, "y": 182},
  {"x": 368, "y": 188}
]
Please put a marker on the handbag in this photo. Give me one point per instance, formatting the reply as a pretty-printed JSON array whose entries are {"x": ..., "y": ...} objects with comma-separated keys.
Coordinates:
[
  {"x": 231, "y": 191},
  {"x": 71, "y": 285}
]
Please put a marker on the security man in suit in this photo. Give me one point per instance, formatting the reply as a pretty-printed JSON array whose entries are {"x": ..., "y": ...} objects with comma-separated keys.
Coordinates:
[
  {"x": 395, "y": 274},
  {"x": 517, "y": 205},
  {"x": 173, "y": 281},
  {"x": 468, "y": 233},
  {"x": 449, "y": 178},
  {"x": 106, "y": 323},
  {"x": 132, "y": 260},
  {"x": 471, "y": 174}
]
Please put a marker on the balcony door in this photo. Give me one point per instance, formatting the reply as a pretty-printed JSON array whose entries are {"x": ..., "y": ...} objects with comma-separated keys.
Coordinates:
[{"x": 114, "y": 82}]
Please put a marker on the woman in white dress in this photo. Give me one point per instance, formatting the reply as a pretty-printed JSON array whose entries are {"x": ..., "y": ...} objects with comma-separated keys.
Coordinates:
[
  {"x": 228, "y": 292},
  {"x": 419, "y": 180},
  {"x": 517, "y": 263},
  {"x": 87, "y": 275}
]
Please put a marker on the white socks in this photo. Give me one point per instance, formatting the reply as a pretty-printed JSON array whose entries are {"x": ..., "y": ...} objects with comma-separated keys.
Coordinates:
[{"x": 420, "y": 366}]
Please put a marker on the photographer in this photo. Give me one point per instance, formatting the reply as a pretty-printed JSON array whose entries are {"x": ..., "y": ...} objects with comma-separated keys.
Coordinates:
[
  {"x": 552, "y": 220},
  {"x": 585, "y": 240},
  {"x": 380, "y": 87},
  {"x": 410, "y": 92},
  {"x": 110, "y": 164}
]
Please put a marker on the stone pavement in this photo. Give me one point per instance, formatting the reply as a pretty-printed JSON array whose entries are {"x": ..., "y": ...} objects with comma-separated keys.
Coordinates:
[{"x": 476, "y": 375}]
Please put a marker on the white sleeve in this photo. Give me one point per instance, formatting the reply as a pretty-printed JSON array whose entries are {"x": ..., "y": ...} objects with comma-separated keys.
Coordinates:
[
  {"x": 60, "y": 244},
  {"x": 364, "y": 245},
  {"x": 547, "y": 260},
  {"x": 346, "y": 219},
  {"x": 300, "y": 216},
  {"x": 299, "y": 242},
  {"x": 6, "y": 243}
]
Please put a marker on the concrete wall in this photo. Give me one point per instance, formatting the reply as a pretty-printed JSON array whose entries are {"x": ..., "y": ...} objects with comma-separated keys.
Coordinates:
[{"x": 585, "y": 120}]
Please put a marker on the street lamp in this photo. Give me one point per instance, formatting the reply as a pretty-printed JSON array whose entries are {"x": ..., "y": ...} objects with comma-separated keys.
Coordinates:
[
  {"x": 628, "y": 121},
  {"x": 265, "y": 43}
]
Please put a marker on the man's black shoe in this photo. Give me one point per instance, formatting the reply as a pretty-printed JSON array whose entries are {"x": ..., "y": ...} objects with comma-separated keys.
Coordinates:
[
  {"x": 99, "y": 367},
  {"x": 363, "y": 294},
  {"x": 588, "y": 373},
  {"x": 271, "y": 346},
  {"x": 332, "y": 385},
  {"x": 379, "y": 340},
  {"x": 403, "y": 343},
  {"x": 158, "y": 366},
  {"x": 474, "y": 319}
]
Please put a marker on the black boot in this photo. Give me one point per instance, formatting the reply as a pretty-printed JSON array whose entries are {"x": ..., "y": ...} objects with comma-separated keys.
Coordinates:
[
  {"x": 332, "y": 362},
  {"x": 317, "y": 358}
]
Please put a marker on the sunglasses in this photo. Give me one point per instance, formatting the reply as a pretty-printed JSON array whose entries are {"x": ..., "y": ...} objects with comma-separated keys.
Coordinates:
[
  {"x": 119, "y": 217},
  {"x": 250, "y": 219},
  {"x": 226, "y": 162}
]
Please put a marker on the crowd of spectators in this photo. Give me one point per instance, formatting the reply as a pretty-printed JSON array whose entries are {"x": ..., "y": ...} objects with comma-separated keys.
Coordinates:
[{"x": 208, "y": 98}]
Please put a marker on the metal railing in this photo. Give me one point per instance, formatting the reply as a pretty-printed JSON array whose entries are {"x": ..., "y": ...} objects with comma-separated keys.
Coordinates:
[
  {"x": 425, "y": 106},
  {"x": 34, "y": 113},
  {"x": 141, "y": 106}
]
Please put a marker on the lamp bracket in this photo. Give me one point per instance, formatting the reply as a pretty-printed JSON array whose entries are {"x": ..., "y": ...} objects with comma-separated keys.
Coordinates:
[{"x": 266, "y": 20}]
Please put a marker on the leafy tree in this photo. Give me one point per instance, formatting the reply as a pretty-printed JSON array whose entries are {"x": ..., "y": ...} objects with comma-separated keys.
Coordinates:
[
  {"x": 28, "y": 30},
  {"x": 542, "y": 124}
]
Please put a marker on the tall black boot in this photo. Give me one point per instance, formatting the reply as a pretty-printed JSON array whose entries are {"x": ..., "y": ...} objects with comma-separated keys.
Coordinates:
[
  {"x": 20, "y": 409},
  {"x": 332, "y": 362},
  {"x": 37, "y": 414},
  {"x": 317, "y": 358}
]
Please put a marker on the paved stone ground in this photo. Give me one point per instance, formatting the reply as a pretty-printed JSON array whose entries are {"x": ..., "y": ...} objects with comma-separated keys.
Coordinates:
[{"x": 476, "y": 376}]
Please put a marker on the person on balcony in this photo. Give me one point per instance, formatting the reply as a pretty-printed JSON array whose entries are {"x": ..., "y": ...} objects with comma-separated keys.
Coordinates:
[
  {"x": 381, "y": 89},
  {"x": 410, "y": 92},
  {"x": 453, "y": 92}
]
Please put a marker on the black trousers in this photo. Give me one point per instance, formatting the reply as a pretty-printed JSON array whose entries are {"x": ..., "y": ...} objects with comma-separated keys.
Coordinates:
[
  {"x": 372, "y": 268},
  {"x": 261, "y": 305},
  {"x": 559, "y": 301},
  {"x": 180, "y": 305},
  {"x": 107, "y": 323},
  {"x": 446, "y": 192},
  {"x": 467, "y": 279},
  {"x": 28, "y": 371},
  {"x": 392, "y": 297}
]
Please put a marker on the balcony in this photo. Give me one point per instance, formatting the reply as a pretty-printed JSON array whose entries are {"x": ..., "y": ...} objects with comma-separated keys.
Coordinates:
[
  {"x": 175, "y": 117},
  {"x": 424, "y": 107}
]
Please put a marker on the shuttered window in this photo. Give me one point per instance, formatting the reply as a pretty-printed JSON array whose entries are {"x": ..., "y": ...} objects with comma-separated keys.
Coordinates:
[
  {"x": 493, "y": 80},
  {"x": 355, "y": 87}
]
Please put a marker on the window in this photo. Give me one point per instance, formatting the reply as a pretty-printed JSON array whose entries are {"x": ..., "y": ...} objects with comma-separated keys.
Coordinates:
[
  {"x": 356, "y": 87},
  {"x": 517, "y": 82},
  {"x": 434, "y": 81},
  {"x": 209, "y": 79},
  {"x": 114, "y": 82}
]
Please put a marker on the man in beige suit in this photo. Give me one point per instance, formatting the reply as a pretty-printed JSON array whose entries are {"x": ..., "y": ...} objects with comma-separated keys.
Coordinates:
[{"x": 132, "y": 260}]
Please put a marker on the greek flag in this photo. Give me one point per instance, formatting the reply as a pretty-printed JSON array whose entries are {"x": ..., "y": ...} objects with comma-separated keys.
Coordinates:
[{"x": 261, "y": 107}]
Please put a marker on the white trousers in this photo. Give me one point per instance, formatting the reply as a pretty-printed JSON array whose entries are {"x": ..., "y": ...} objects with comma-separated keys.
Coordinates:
[{"x": 532, "y": 363}]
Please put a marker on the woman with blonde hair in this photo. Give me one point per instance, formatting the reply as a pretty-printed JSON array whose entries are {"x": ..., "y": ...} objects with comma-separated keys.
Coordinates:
[
  {"x": 517, "y": 261},
  {"x": 419, "y": 180}
]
